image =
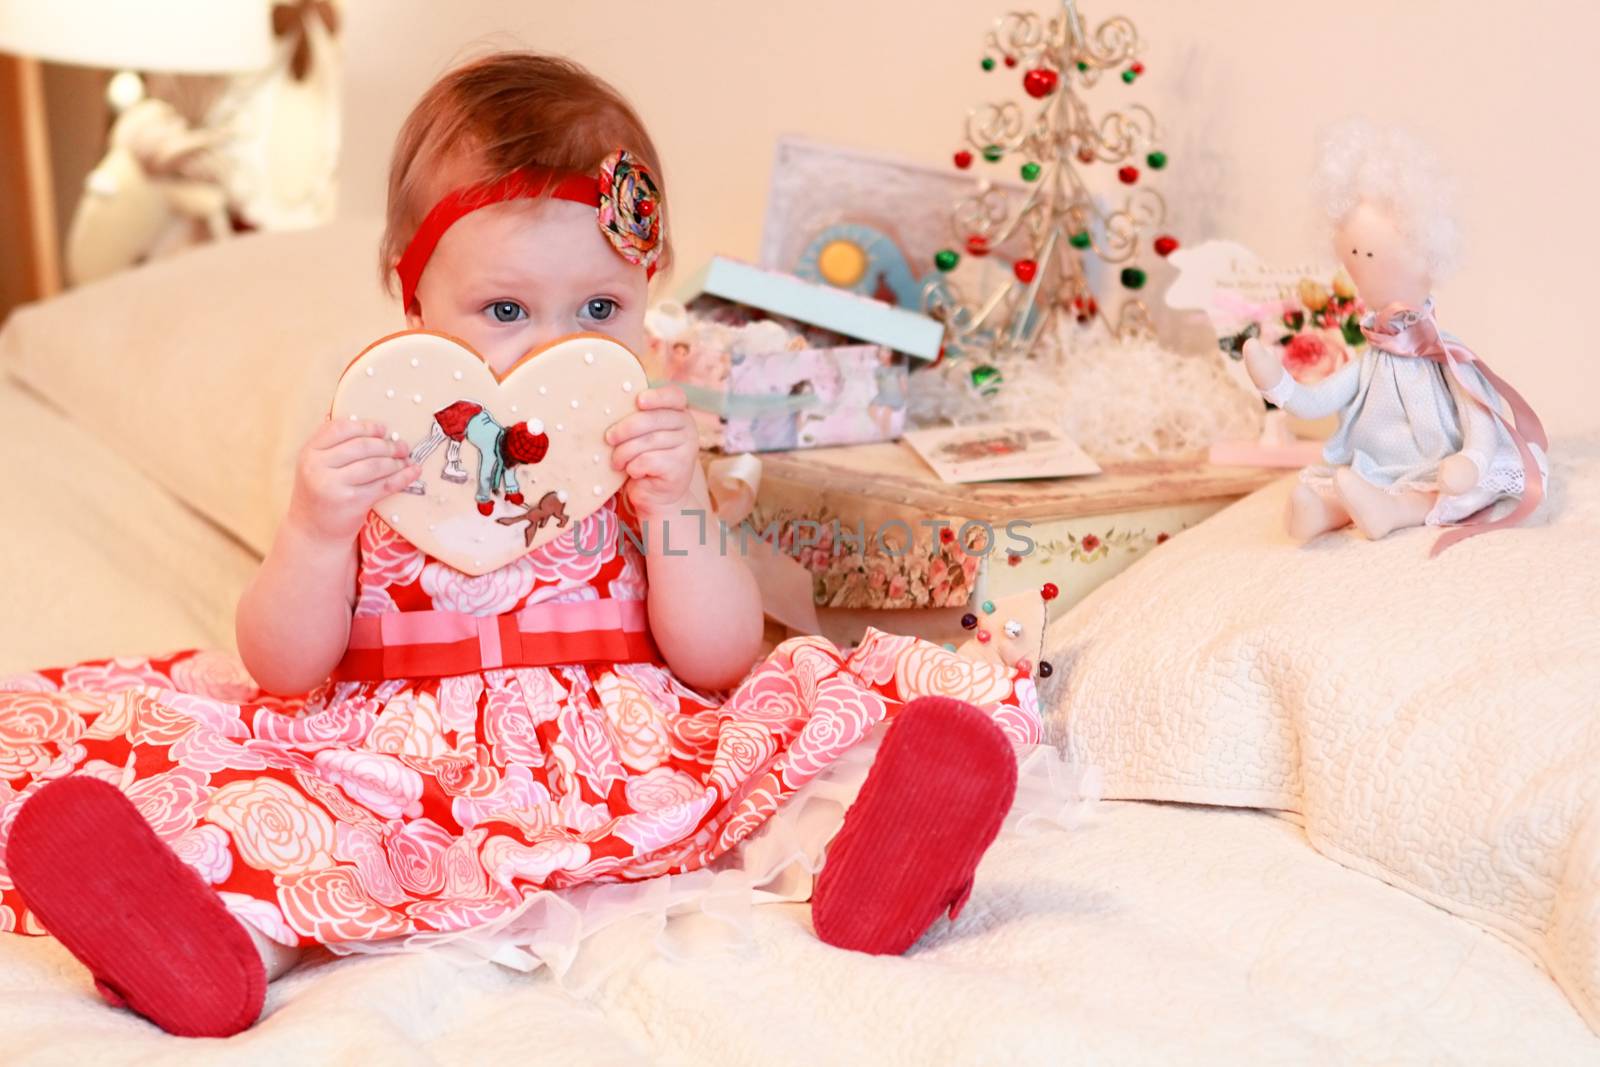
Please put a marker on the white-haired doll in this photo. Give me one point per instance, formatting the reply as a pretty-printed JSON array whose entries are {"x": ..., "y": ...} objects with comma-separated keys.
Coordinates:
[{"x": 1424, "y": 432}]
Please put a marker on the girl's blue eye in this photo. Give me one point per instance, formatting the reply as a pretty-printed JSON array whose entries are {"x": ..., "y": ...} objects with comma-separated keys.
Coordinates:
[
  {"x": 600, "y": 308},
  {"x": 507, "y": 311}
]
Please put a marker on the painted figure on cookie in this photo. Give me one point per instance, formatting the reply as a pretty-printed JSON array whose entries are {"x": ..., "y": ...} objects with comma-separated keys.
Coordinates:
[
  {"x": 500, "y": 450},
  {"x": 404, "y": 752},
  {"x": 1428, "y": 434}
]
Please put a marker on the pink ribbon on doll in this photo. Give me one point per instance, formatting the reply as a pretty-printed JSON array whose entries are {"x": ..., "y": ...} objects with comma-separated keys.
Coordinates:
[{"x": 1421, "y": 339}]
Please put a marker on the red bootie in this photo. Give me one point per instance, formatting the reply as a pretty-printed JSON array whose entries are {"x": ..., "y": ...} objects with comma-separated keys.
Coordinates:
[
  {"x": 514, "y": 498},
  {"x": 152, "y": 933},
  {"x": 931, "y": 806},
  {"x": 485, "y": 507}
]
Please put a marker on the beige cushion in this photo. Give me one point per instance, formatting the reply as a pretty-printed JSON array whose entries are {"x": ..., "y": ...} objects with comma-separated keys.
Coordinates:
[
  {"x": 1431, "y": 720},
  {"x": 208, "y": 370}
]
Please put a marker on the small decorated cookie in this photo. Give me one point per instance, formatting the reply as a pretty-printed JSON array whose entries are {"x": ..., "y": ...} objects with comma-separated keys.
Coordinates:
[{"x": 508, "y": 463}]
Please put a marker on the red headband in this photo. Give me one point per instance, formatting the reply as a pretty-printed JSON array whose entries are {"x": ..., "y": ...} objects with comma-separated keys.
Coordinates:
[{"x": 624, "y": 196}]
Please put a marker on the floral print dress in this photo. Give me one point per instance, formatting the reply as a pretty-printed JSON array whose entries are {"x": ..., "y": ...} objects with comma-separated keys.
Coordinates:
[{"x": 389, "y": 808}]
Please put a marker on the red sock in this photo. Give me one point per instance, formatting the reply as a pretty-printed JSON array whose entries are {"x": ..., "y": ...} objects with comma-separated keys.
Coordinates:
[
  {"x": 149, "y": 929},
  {"x": 932, "y": 804}
]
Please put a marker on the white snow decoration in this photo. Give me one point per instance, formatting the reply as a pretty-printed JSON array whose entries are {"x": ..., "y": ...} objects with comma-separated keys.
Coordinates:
[
  {"x": 561, "y": 495},
  {"x": 416, "y": 398},
  {"x": 394, "y": 435},
  {"x": 574, "y": 405},
  {"x": 627, "y": 387},
  {"x": 599, "y": 489},
  {"x": 588, "y": 357},
  {"x": 536, "y": 425},
  {"x": 1118, "y": 400},
  {"x": 389, "y": 393},
  {"x": 456, "y": 376},
  {"x": 559, "y": 427},
  {"x": 415, "y": 362},
  {"x": 371, "y": 371},
  {"x": 543, "y": 390}
]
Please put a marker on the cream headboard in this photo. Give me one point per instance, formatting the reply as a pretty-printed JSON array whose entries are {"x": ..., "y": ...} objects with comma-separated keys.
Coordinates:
[{"x": 1239, "y": 86}]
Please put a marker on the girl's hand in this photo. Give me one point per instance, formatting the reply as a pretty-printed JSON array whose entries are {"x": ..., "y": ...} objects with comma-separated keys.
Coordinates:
[
  {"x": 344, "y": 469},
  {"x": 657, "y": 448}
]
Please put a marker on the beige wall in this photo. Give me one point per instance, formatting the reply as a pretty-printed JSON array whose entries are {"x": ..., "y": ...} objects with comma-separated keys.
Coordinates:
[{"x": 1504, "y": 92}]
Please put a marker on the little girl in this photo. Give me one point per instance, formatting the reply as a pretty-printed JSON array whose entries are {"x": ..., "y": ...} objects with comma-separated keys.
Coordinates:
[{"x": 186, "y": 825}]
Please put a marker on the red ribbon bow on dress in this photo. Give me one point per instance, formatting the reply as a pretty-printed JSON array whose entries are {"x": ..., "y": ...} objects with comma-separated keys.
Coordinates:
[{"x": 1406, "y": 331}]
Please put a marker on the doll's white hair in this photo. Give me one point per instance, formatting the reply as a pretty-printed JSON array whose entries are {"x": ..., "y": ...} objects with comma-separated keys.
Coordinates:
[{"x": 1362, "y": 161}]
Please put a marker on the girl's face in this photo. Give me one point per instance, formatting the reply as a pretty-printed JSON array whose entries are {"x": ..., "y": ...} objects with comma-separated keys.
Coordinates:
[{"x": 517, "y": 275}]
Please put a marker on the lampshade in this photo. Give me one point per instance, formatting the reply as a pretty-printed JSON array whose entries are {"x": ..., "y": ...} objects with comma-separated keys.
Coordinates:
[{"x": 182, "y": 36}]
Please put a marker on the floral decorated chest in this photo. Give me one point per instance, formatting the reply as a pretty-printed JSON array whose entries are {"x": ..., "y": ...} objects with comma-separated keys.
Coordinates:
[{"x": 878, "y": 531}]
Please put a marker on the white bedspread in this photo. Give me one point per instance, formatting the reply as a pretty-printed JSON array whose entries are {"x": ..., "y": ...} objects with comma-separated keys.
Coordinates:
[
  {"x": 1156, "y": 934},
  {"x": 1436, "y": 722}
]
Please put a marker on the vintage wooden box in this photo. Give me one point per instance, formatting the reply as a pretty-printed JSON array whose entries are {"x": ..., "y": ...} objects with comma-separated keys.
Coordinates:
[{"x": 880, "y": 532}]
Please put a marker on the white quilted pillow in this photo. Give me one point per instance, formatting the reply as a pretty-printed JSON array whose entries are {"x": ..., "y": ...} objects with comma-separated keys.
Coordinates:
[{"x": 1434, "y": 721}]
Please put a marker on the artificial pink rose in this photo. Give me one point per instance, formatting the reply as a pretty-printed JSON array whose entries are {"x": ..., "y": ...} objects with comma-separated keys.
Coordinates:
[
  {"x": 416, "y": 855},
  {"x": 636, "y": 721},
  {"x": 330, "y": 906},
  {"x": 1312, "y": 355},
  {"x": 897, "y": 587},
  {"x": 576, "y": 556},
  {"x": 664, "y": 823},
  {"x": 925, "y": 669},
  {"x": 744, "y": 749},
  {"x": 664, "y": 787},
  {"x": 113, "y": 676},
  {"x": 205, "y": 848},
  {"x": 363, "y": 847},
  {"x": 27, "y": 682},
  {"x": 769, "y": 696},
  {"x": 274, "y": 827},
  {"x": 494, "y": 593},
  {"x": 344, "y": 723},
  {"x": 386, "y": 557},
  {"x": 382, "y": 784},
  {"x": 517, "y": 800},
  {"x": 585, "y": 736},
  {"x": 508, "y": 860},
  {"x": 509, "y": 728},
  {"x": 34, "y": 728},
  {"x": 841, "y": 716},
  {"x": 216, "y": 675}
]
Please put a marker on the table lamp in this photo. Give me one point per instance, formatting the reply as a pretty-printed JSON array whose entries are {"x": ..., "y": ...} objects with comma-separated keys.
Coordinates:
[{"x": 123, "y": 210}]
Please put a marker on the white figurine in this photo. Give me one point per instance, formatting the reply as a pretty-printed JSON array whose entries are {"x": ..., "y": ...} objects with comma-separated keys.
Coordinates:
[{"x": 1424, "y": 432}]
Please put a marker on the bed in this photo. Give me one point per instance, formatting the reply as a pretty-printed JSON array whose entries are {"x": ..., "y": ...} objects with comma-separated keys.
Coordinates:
[{"x": 1204, "y": 921}]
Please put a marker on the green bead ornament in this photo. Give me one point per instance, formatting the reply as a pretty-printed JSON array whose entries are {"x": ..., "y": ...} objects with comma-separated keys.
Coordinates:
[
  {"x": 1128, "y": 76},
  {"x": 946, "y": 259},
  {"x": 988, "y": 63},
  {"x": 988, "y": 607},
  {"x": 992, "y": 153},
  {"x": 985, "y": 376},
  {"x": 1156, "y": 160},
  {"x": 1133, "y": 277},
  {"x": 1083, "y": 67},
  {"x": 1079, "y": 239},
  {"x": 1030, "y": 171}
]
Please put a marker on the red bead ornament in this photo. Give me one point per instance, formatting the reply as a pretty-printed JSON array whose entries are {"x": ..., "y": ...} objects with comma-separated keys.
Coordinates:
[
  {"x": 1166, "y": 244},
  {"x": 946, "y": 535},
  {"x": 1024, "y": 269},
  {"x": 1137, "y": 68},
  {"x": 1025, "y": 665},
  {"x": 1040, "y": 83},
  {"x": 1085, "y": 155},
  {"x": 1049, "y": 591},
  {"x": 1011, "y": 61},
  {"x": 978, "y": 244},
  {"x": 1128, "y": 175},
  {"x": 645, "y": 208},
  {"x": 983, "y": 637},
  {"x": 963, "y": 159}
]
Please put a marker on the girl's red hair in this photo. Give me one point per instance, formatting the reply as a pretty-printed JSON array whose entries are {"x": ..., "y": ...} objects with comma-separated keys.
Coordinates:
[{"x": 497, "y": 114}]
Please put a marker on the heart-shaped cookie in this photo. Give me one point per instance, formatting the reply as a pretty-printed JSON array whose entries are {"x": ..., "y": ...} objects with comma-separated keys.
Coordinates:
[{"x": 508, "y": 462}]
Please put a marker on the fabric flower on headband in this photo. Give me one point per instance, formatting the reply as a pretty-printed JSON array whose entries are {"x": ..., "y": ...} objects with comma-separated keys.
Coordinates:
[{"x": 630, "y": 209}]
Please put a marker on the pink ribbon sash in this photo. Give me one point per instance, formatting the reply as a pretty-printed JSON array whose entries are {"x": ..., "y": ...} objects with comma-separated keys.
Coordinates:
[
  {"x": 428, "y": 644},
  {"x": 1421, "y": 339}
]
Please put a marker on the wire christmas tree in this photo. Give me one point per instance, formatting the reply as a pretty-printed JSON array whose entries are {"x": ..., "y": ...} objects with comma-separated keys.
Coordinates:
[{"x": 1056, "y": 222}]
